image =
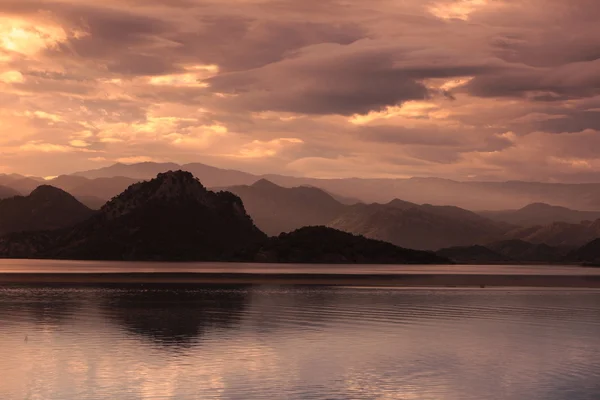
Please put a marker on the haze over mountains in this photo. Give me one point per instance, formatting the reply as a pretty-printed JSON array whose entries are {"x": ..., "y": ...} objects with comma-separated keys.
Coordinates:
[
  {"x": 469, "y": 195},
  {"x": 537, "y": 232},
  {"x": 174, "y": 217}
]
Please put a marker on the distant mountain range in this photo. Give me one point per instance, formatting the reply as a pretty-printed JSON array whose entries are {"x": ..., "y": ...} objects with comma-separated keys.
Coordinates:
[
  {"x": 278, "y": 204},
  {"x": 540, "y": 214},
  {"x": 468, "y": 195},
  {"x": 424, "y": 227},
  {"x": 174, "y": 217},
  {"x": 511, "y": 195}
]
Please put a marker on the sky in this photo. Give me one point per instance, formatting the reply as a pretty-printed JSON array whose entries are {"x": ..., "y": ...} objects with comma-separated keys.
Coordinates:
[{"x": 459, "y": 89}]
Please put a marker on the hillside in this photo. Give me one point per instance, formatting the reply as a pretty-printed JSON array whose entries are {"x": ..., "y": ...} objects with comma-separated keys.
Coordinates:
[
  {"x": 558, "y": 233},
  {"x": 413, "y": 226},
  {"x": 541, "y": 214},
  {"x": 276, "y": 209},
  {"x": 319, "y": 244},
  {"x": 46, "y": 208}
]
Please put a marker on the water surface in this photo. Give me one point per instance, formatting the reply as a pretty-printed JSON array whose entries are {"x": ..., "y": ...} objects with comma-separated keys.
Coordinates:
[{"x": 290, "y": 342}]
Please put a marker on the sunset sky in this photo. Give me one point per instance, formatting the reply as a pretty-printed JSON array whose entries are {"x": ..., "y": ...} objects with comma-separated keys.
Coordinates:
[{"x": 461, "y": 89}]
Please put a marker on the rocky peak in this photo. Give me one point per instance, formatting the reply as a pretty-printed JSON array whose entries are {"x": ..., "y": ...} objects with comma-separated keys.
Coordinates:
[{"x": 173, "y": 187}]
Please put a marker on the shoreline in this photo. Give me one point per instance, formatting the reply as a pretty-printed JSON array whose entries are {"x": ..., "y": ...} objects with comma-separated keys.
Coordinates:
[{"x": 324, "y": 279}]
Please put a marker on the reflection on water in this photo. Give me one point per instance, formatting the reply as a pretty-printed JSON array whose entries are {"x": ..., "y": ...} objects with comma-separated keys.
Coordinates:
[
  {"x": 172, "y": 316},
  {"x": 153, "y": 342}
]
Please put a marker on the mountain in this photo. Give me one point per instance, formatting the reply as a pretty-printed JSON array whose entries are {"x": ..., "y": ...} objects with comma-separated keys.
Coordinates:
[
  {"x": 423, "y": 227},
  {"x": 541, "y": 214},
  {"x": 319, "y": 244},
  {"x": 473, "y": 195},
  {"x": 276, "y": 209},
  {"x": 45, "y": 208},
  {"x": 558, "y": 233},
  {"x": 6, "y": 192},
  {"x": 172, "y": 217}
]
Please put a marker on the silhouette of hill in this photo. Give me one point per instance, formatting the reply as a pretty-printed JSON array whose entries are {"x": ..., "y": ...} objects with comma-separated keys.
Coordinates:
[
  {"x": 540, "y": 214},
  {"x": 45, "y": 208},
  {"x": 414, "y": 226},
  {"x": 6, "y": 192},
  {"x": 172, "y": 217},
  {"x": 319, "y": 244},
  {"x": 276, "y": 209}
]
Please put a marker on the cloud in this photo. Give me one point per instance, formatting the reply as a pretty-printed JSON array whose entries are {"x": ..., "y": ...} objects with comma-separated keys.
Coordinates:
[{"x": 498, "y": 89}]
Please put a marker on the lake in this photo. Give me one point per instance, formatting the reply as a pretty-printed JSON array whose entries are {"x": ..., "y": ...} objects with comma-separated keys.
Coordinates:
[{"x": 159, "y": 341}]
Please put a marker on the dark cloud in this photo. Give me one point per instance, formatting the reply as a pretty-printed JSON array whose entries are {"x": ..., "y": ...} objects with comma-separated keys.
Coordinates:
[
  {"x": 335, "y": 79},
  {"x": 507, "y": 88}
]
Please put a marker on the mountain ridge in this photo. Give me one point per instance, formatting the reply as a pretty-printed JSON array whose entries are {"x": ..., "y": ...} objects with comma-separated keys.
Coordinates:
[
  {"x": 173, "y": 217},
  {"x": 472, "y": 195}
]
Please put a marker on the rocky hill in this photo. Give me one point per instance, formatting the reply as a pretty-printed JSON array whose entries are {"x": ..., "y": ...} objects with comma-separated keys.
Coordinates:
[{"x": 172, "y": 217}]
